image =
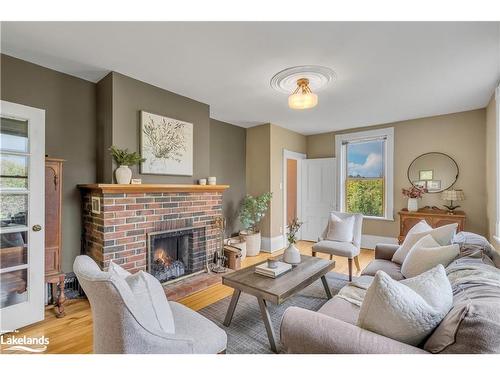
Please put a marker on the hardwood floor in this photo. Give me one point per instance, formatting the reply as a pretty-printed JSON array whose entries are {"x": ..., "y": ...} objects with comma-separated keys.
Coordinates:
[{"x": 73, "y": 333}]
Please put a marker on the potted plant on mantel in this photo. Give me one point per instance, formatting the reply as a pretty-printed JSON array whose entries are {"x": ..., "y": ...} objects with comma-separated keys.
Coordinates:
[
  {"x": 252, "y": 211},
  {"x": 413, "y": 194},
  {"x": 125, "y": 160}
]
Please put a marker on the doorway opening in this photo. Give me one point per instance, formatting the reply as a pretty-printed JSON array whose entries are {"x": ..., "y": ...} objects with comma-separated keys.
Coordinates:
[{"x": 292, "y": 189}]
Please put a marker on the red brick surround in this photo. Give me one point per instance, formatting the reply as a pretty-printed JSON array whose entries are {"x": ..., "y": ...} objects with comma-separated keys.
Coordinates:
[{"x": 119, "y": 231}]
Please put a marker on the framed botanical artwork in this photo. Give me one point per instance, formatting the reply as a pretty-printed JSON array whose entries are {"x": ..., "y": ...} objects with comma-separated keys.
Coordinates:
[
  {"x": 167, "y": 145},
  {"x": 434, "y": 185},
  {"x": 426, "y": 175}
]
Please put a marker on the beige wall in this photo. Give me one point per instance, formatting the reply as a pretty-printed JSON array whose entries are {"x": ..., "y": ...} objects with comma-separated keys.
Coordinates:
[
  {"x": 258, "y": 166},
  {"x": 491, "y": 169},
  {"x": 460, "y": 135},
  {"x": 281, "y": 139},
  {"x": 321, "y": 146}
]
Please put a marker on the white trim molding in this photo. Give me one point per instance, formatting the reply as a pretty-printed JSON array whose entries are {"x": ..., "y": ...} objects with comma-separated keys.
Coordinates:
[
  {"x": 369, "y": 241},
  {"x": 497, "y": 147},
  {"x": 340, "y": 140},
  {"x": 272, "y": 244}
]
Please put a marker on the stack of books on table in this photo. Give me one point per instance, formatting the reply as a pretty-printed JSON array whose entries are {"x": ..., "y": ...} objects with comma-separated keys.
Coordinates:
[{"x": 281, "y": 268}]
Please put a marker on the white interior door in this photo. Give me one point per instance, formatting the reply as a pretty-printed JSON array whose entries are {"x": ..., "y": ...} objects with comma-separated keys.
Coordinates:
[
  {"x": 318, "y": 195},
  {"x": 22, "y": 144}
]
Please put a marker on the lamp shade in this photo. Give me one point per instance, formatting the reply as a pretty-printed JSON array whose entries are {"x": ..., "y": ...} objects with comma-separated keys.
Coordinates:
[
  {"x": 302, "y": 100},
  {"x": 453, "y": 195}
]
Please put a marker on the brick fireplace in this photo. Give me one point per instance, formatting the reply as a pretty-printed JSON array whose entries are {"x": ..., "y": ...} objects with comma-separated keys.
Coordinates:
[{"x": 169, "y": 229}]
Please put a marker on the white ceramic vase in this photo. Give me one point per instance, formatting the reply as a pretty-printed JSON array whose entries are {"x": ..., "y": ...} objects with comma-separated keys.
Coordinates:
[
  {"x": 253, "y": 242},
  {"x": 291, "y": 255},
  {"x": 412, "y": 204},
  {"x": 123, "y": 175}
]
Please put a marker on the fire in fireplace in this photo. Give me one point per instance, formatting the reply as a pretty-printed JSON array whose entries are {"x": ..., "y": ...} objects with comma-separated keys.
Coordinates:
[
  {"x": 165, "y": 267},
  {"x": 171, "y": 254}
]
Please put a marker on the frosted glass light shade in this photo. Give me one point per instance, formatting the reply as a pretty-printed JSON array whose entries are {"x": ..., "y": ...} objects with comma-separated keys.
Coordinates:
[{"x": 302, "y": 100}]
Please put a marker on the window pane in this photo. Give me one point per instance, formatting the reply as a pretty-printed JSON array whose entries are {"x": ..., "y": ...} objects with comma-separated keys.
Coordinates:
[
  {"x": 13, "y": 249},
  {"x": 14, "y": 210},
  {"x": 14, "y": 135},
  {"x": 14, "y": 172},
  {"x": 366, "y": 196},
  {"x": 13, "y": 288},
  {"x": 365, "y": 178}
]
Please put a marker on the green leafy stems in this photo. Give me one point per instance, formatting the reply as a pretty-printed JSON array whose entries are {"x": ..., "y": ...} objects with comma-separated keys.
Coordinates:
[
  {"x": 293, "y": 227},
  {"x": 253, "y": 210},
  {"x": 123, "y": 157}
]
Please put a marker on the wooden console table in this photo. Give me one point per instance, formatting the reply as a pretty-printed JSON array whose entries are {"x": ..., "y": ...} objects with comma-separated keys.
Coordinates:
[{"x": 434, "y": 217}]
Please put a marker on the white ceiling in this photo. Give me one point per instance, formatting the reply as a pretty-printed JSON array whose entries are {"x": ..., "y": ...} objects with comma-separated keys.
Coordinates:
[{"x": 385, "y": 71}]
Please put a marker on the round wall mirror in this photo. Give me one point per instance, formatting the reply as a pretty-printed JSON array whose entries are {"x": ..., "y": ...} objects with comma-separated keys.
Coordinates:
[{"x": 434, "y": 171}]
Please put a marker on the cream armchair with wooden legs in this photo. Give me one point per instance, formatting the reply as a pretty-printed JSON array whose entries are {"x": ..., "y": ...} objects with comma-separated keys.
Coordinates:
[{"x": 348, "y": 249}]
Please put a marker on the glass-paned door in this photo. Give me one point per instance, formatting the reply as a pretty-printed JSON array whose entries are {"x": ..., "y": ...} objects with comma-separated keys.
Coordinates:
[{"x": 22, "y": 143}]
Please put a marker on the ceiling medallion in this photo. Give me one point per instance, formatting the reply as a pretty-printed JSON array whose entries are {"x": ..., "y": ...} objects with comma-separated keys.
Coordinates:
[{"x": 300, "y": 82}]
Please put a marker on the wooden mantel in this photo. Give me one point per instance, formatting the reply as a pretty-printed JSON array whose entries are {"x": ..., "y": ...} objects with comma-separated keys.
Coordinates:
[{"x": 151, "y": 188}]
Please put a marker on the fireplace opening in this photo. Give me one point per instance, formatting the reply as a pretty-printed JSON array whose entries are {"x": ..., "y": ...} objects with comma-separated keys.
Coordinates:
[{"x": 175, "y": 254}]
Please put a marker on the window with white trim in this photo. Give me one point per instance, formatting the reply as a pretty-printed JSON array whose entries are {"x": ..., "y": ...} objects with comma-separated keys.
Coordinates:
[{"x": 365, "y": 168}]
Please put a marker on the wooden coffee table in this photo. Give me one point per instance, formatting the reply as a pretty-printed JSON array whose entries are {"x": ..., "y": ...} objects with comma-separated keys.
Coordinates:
[{"x": 277, "y": 290}]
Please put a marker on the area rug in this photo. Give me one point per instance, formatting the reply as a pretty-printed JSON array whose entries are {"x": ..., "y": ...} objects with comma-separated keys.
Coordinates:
[{"x": 247, "y": 334}]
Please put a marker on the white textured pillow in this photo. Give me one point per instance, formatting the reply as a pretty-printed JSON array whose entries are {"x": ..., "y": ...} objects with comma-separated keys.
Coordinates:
[
  {"x": 340, "y": 229},
  {"x": 406, "y": 311},
  {"x": 150, "y": 298},
  {"x": 443, "y": 235},
  {"x": 426, "y": 254}
]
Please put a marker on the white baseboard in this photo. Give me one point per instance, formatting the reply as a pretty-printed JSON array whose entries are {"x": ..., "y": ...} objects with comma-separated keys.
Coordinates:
[
  {"x": 272, "y": 244},
  {"x": 369, "y": 241}
]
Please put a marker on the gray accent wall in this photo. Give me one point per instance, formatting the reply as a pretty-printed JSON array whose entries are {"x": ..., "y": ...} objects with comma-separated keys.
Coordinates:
[
  {"x": 227, "y": 163},
  {"x": 120, "y": 100},
  {"x": 84, "y": 119},
  {"x": 70, "y": 132}
]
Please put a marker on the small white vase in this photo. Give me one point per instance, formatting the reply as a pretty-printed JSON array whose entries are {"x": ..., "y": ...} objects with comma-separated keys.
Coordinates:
[
  {"x": 123, "y": 175},
  {"x": 412, "y": 204},
  {"x": 291, "y": 255}
]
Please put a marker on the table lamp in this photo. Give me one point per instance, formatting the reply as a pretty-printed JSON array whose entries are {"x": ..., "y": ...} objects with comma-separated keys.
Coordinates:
[{"x": 452, "y": 195}]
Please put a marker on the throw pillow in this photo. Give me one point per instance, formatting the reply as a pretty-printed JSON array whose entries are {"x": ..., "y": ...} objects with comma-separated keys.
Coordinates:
[
  {"x": 426, "y": 254},
  {"x": 443, "y": 235},
  {"x": 406, "y": 311},
  {"x": 340, "y": 229},
  {"x": 149, "y": 296}
]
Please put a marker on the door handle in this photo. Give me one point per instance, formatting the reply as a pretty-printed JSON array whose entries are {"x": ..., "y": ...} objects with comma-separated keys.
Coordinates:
[{"x": 37, "y": 228}]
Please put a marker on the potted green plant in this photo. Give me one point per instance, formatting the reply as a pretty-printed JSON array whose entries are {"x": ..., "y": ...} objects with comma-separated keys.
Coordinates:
[
  {"x": 252, "y": 211},
  {"x": 292, "y": 254},
  {"x": 125, "y": 160}
]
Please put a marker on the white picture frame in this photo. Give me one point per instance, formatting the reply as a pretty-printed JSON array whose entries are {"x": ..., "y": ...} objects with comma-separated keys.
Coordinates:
[{"x": 166, "y": 144}]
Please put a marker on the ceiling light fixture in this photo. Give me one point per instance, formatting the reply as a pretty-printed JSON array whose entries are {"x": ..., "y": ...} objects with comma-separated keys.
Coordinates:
[
  {"x": 301, "y": 83},
  {"x": 302, "y": 97}
]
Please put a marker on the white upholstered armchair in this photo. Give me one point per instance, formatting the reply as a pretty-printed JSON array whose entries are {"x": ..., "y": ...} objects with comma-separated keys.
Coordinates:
[
  {"x": 348, "y": 249},
  {"x": 120, "y": 326}
]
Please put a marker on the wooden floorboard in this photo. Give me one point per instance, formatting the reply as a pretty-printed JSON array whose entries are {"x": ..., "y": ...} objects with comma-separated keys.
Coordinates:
[{"x": 73, "y": 333}]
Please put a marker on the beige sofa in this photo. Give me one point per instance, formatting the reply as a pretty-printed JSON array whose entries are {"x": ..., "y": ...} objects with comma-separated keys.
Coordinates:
[{"x": 471, "y": 326}]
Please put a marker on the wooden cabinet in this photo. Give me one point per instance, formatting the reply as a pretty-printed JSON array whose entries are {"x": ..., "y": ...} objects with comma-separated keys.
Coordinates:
[
  {"x": 53, "y": 243},
  {"x": 434, "y": 217}
]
